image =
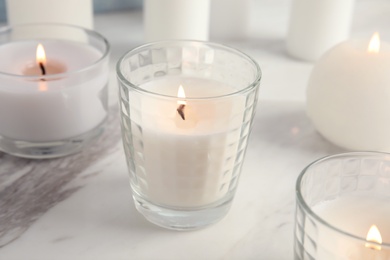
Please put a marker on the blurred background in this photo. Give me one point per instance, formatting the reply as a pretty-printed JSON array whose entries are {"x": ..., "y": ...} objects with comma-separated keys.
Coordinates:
[{"x": 99, "y": 6}]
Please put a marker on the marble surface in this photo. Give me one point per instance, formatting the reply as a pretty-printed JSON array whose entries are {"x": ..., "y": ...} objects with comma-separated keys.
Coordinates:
[{"x": 80, "y": 206}]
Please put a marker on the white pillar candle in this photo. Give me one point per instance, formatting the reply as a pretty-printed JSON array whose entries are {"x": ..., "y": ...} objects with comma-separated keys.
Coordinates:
[
  {"x": 229, "y": 18},
  {"x": 348, "y": 96},
  {"x": 317, "y": 25},
  {"x": 62, "y": 105},
  {"x": 75, "y": 12},
  {"x": 192, "y": 162},
  {"x": 176, "y": 19},
  {"x": 354, "y": 214}
]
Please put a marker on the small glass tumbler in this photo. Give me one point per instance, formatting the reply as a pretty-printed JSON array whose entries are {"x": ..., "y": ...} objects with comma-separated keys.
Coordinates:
[
  {"x": 343, "y": 208},
  {"x": 53, "y": 89},
  {"x": 186, "y": 109}
]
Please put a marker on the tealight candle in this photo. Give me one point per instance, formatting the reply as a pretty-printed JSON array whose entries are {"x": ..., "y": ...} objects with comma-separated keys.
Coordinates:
[
  {"x": 53, "y": 92},
  {"x": 348, "y": 95}
]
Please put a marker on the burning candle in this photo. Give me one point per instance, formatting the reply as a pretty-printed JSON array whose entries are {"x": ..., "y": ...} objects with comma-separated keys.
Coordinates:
[
  {"x": 354, "y": 214},
  {"x": 177, "y": 136},
  {"x": 343, "y": 208},
  {"x": 348, "y": 95},
  {"x": 41, "y": 66},
  {"x": 53, "y": 92},
  {"x": 186, "y": 110}
]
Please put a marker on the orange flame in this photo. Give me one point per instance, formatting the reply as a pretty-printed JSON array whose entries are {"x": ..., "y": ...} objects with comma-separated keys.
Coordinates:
[
  {"x": 374, "y": 235},
  {"x": 375, "y": 43},
  {"x": 40, "y": 56},
  {"x": 181, "y": 94}
]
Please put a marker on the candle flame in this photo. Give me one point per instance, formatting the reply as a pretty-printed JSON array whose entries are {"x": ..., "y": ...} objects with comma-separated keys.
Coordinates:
[
  {"x": 41, "y": 56},
  {"x": 375, "y": 43},
  {"x": 374, "y": 235},
  {"x": 181, "y": 94}
]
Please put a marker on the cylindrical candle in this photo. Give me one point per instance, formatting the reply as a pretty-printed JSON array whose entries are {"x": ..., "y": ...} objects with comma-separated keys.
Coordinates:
[
  {"x": 348, "y": 95},
  {"x": 176, "y": 19},
  {"x": 317, "y": 25},
  {"x": 343, "y": 208},
  {"x": 53, "y": 108},
  {"x": 75, "y": 12},
  {"x": 229, "y": 18}
]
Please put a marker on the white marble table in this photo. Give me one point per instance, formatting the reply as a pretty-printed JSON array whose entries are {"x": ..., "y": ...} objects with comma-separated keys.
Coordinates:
[{"x": 80, "y": 206}]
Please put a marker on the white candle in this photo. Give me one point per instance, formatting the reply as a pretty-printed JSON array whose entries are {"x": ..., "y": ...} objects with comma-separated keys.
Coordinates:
[
  {"x": 348, "y": 96},
  {"x": 75, "y": 12},
  {"x": 59, "y": 107},
  {"x": 186, "y": 163},
  {"x": 317, "y": 25},
  {"x": 355, "y": 214},
  {"x": 229, "y": 18},
  {"x": 176, "y": 19}
]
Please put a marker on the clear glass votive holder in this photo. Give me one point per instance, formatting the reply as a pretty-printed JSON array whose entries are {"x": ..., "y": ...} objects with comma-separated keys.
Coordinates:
[
  {"x": 185, "y": 148},
  {"x": 343, "y": 208},
  {"x": 55, "y": 103}
]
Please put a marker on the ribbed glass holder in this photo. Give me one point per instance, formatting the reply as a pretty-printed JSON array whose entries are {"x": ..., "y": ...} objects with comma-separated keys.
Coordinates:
[
  {"x": 342, "y": 200},
  {"x": 185, "y": 150}
]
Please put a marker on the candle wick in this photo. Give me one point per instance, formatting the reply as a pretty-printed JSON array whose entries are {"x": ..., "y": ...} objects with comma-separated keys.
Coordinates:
[
  {"x": 42, "y": 68},
  {"x": 180, "y": 110}
]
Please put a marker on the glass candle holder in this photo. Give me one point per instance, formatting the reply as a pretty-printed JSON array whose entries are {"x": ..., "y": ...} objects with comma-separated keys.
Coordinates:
[
  {"x": 186, "y": 111},
  {"x": 53, "y": 98},
  {"x": 343, "y": 208}
]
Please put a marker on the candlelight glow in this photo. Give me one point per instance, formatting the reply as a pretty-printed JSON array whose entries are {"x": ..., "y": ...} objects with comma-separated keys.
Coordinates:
[
  {"x": 374, "y": 235},
  {"x": 375, "y": 43},
  {"x": 41, "y": 56},
  {"x": 181, "y": 94},
  {"x": 295, "y": 130},
  {"x": 42, "y": 86}
]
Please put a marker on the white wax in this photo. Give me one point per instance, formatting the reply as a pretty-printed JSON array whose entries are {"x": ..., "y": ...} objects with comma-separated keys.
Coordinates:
[
  {"x": 75, "y": 12},
  {"x": 317, "y": 25},
  {"x": 348, "y": 96},
  {"x": 176, "y": 19},
  {"x": 229, "y": 18},
  {"x": 55, "y": 109},
  {"x": 354, "y": 214},
  {"x": 186, "y": 163}
]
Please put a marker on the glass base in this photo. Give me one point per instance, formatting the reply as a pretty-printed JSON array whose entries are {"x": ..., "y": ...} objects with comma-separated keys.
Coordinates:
[
  {"x": 182, "y": 219},
  {"x": 52, "y": 149}
]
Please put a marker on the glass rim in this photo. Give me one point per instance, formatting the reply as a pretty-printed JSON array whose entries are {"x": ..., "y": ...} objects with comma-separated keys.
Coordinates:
[
  {"x": 104, "y": 54},
  {"x": 128, "y": 84},
  {"x": 310, "y": 212}
]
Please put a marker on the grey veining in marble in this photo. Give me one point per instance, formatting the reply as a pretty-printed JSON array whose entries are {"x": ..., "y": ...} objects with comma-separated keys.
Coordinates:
[
  {"x": 29, "y": 188},
  {"x": 260, "y": 222}
]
